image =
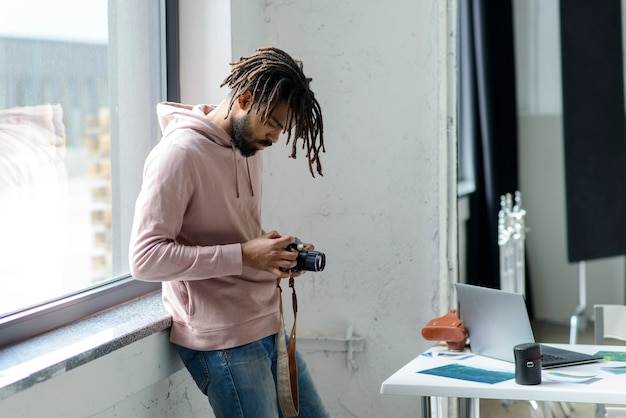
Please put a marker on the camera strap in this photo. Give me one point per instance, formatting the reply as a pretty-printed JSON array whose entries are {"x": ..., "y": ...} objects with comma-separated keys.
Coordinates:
[{"x": 286, "y": 368}]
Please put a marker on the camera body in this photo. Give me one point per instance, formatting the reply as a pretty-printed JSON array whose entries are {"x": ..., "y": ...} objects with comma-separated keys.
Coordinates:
[{"x": 307, "y": 260}]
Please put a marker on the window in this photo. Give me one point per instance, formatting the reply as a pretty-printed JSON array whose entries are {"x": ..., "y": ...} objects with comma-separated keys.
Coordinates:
[
  {"x": 466, "y": 105},
  {"x": 79, "y": 82}
]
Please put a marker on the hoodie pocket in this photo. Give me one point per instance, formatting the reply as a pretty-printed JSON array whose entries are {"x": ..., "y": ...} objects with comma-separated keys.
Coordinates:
[{"x": 185, "y": 297}]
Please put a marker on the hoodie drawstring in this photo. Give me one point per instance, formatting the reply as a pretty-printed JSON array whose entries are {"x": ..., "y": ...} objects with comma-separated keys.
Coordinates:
[
  {"x": 232, "y": 146},
  {"x": 249, "y": 178}
]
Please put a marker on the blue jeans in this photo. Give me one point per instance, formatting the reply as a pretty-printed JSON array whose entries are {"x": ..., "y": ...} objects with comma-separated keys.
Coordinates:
[{"x": 241, "y": 381}]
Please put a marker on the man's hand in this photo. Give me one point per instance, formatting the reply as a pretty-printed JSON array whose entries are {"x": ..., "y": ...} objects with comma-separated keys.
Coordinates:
[{"x": 269, "y": 253}]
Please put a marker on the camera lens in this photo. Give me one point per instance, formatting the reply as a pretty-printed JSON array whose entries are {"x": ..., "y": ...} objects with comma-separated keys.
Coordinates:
[
  {"x": 311, "y": 261},
  {"x": 320, "y": 261}
]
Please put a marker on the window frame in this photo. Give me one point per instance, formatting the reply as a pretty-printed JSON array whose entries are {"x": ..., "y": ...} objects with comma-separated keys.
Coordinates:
[{"x": 36, "y": 320}]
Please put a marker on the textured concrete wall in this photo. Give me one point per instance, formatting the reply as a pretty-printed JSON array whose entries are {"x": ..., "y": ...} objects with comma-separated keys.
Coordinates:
[
  {"x": 376, "y": 211},
  {"x": 142, "y": 380}
]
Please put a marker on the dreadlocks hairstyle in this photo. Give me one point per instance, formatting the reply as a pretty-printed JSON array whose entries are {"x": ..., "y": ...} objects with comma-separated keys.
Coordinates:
[{"x": 272, "y": 75}]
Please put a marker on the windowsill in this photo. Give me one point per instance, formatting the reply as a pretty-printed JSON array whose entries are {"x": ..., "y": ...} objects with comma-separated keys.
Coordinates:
[{"x": 38, "y": 359}]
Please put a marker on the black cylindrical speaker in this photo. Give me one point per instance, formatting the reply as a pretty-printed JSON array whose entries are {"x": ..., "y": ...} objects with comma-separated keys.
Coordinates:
[{"x": 527, "y": 364}]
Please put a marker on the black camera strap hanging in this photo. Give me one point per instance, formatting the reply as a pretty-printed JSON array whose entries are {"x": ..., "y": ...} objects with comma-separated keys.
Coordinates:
[{"x": 286, "y": 368}]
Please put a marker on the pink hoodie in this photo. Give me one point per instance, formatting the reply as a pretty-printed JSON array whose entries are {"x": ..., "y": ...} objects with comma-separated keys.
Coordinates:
[{"x": 199, "y": 201}]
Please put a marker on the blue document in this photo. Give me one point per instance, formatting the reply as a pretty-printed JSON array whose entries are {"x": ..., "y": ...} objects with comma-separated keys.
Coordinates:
[
  {"x": 612, "y": 355},
  {"x": 473, "y": 374}
]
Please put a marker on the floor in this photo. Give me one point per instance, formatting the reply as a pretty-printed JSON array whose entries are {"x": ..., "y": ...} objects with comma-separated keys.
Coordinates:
[
  {"x": 519, "y": 409},
  {"x": 544, "y": 332}
]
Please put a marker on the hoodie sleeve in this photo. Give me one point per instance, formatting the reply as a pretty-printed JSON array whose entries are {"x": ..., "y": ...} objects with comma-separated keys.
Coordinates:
[{"x": 154, "y": 253}]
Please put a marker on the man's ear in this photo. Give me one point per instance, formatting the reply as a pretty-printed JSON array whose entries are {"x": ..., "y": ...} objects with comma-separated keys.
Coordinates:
[{"x": 245, "y": 100}]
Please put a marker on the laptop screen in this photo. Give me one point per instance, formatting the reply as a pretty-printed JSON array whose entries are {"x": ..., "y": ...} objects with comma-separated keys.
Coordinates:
[{"x": 496, "y": 320}]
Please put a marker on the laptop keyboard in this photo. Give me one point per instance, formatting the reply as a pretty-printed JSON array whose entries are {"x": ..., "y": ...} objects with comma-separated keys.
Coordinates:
[{"x": 552, "y": 357}]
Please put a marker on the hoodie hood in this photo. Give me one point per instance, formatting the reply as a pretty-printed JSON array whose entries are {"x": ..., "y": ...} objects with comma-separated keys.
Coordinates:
[
  {"x": 181, "y": 116},
  {"x": 177, "y": 116}
]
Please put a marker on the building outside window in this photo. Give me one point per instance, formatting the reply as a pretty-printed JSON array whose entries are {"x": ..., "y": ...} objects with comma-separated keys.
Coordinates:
[{"x": 79, "y": 82}]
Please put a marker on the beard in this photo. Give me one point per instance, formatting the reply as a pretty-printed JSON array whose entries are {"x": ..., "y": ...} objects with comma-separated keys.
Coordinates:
[{"x": 242, "y": 137}]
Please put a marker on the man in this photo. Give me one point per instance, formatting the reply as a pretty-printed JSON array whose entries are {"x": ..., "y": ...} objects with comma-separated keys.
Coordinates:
[{"x": 197, "y": 229}]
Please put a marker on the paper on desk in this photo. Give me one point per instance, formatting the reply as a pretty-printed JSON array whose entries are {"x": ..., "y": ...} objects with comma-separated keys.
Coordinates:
[
  {"x": 454, "y": 354},
  {"x": 566, "y": 377},
  {"x": 473, "y": 374},
  {"x": 612, "y": 355},
  {"x": 615, "y": 369}
]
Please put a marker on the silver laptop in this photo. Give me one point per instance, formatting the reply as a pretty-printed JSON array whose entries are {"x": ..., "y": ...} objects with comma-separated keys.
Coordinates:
[{"x": 497, "y": 321}]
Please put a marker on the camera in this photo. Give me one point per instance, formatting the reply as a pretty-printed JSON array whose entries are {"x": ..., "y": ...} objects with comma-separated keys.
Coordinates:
[{"x": 307, "y": 260}]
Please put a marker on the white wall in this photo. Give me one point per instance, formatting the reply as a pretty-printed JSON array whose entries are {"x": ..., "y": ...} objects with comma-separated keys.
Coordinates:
[
  {"x": 142, "y": 380},
  {"x": 205, "y": 51},
  {"x": 376, "y": 212},
  {"x": 382, "y": 212},
  {"x": 554, "y": 281}
]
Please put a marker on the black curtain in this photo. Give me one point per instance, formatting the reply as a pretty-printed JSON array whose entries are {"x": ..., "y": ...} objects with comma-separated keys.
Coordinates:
[
  {"x": 488, "y": 83},
  {"x": 594, "y": 128}
]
